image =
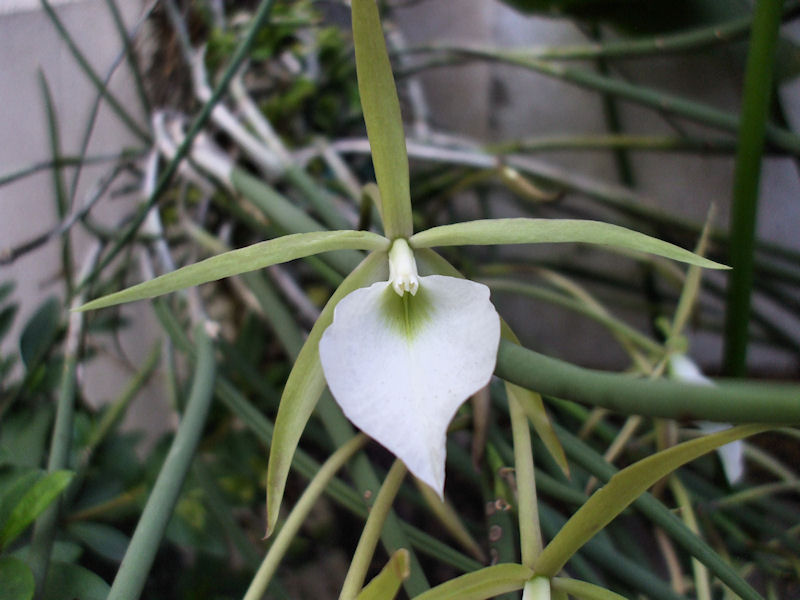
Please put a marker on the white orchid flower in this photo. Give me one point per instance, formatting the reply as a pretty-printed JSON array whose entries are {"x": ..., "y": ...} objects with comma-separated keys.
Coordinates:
[{"x": 401, "y": 356}]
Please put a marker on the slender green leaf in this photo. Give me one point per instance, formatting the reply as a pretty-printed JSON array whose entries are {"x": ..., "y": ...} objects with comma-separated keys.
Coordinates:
[
  {"x": 16, "y": 579},
  {"x": 385, "y": 585},
  {"x": 40, "y": 332},
  {"x": 382, "y": 116},
  {"x": 622, "y": 489},
  {"x": 304, "y": 386},
  {"x": 256, "y": 256},
  {"x": 478, "y": 585},
  {"x": 66, "y": 580},
  {"x": 31, "y": 505},
  {"x": 582, "y": 589},
  {"x": 540, "y": 231}
]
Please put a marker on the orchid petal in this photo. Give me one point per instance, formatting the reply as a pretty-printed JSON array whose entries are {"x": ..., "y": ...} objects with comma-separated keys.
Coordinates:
[{"x": 401, "y": 366}]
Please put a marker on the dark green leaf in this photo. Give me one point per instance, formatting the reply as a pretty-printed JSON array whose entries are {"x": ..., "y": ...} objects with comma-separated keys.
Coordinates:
[
  {"x": 104, "y": 540},
  {"x": 40, "y": 332},
  {"x": 68, "y": 581},
  {"x": 16, "y": 579}
]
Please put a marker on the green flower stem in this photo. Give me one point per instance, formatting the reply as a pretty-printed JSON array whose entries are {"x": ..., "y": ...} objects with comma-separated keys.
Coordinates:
[
  {"x": 527, "y": 506},
  {"x": 694, "y": 111},
  {"x": 382, "y": 117},
  {"x": 258, "y": 586},
  {"x": 732, "y": 402},
  {"x": 654, "y": 510},
  {"x": 752, "y": 130},
  {"x": 240, "y": 55},
  {"x": 132, "y": 574},
  {"x": 362, "y": 557},
  {"x": 98, "y": 83}
]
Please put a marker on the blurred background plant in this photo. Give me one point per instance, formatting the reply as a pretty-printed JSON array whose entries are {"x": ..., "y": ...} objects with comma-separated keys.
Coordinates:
[{"x": 268, "y": 96}]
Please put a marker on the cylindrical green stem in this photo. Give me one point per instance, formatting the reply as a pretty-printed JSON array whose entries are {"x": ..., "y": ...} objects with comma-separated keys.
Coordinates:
[
  {"x": 752, "y": 129},
  {"x": 527, "y": 509},
  {"x": 733, "y": 402},
  {"x": 357, "y": 572},
  {"x": 142, "y": 549}
]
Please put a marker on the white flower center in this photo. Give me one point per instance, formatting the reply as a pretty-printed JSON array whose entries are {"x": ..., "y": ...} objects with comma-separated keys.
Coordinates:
[{"x": 403, "y": 268}]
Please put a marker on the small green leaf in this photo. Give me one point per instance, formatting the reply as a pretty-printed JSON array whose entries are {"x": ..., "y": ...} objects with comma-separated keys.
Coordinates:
[
  {"x": 478, "y": 585},
  {"x": 305, "y": 384},
  {"x": 5, "y": 290},
  {"x": 382, "y": 116},
  {"x": 7, "y": 315},
  {"x": 13, "y": 486},
  {"x": 541, "y": 231},
  {"x": 65, "y": 580},
  {"x": 235, "y": 262},
  {"x": 40, "y": 332},
  {"x": 625, "y": 487},
  {"x": 31, "y": 505},
  {"x": 384, "y": 585}
]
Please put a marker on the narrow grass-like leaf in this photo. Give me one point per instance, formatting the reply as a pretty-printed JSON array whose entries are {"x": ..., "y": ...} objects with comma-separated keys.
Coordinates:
[
  {"x": 304, "y": 386},
  {"x": 385, "y": 585},
  {"x": 235, "y": 262},
  {"x": 382, "y": 116},
  {"x": 540, "y": 231},
  {"x": 622, "y": 489},
  {"x": 582, "y": 589},
  {"x": 450, "y": 519},
  {"x": 31, "y": 505},
  {"x": 479, "y": 585}
]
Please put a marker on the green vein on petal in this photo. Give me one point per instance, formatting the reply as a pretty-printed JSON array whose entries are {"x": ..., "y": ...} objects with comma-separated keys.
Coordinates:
[
  {"x": 305, "y": 384},
  {"x": 250, "y": 258},
  {"x": 540, "y": 231}
]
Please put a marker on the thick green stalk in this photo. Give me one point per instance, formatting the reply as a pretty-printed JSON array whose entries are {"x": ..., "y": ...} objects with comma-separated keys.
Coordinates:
[
  {"x": 752, "y": 130},
  {"x": 362, "y": 557},
  {"x": 733, "y": 402},
  {"x": 530, "y": 536},
  {"x": 132, "y": 574}
]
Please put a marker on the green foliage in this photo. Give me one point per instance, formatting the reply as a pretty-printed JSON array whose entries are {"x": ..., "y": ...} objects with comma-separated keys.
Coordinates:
[{"x": 183, "y": 515}]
